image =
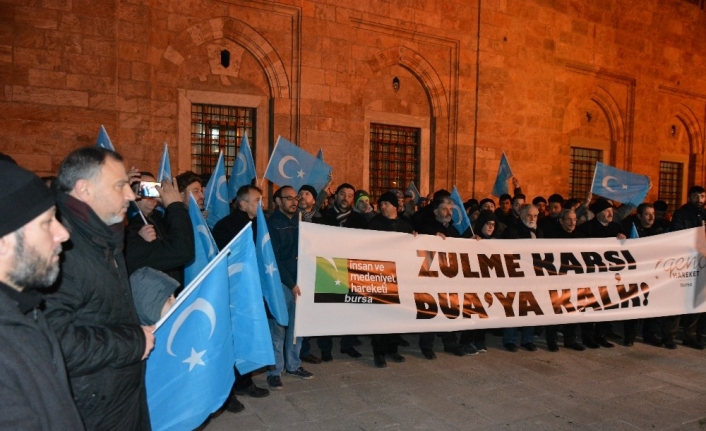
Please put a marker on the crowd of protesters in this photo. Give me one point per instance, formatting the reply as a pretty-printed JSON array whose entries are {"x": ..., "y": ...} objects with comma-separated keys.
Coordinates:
[{"x": 75, "y": 335}]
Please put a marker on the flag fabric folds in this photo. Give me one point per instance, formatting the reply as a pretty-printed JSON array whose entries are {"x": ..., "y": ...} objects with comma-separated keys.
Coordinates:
[
  {"x": 103, "y": 140},
  {"x": 633, "y": 232},
  {"x": 243, "y": 169},
  {"x": 165, "y": 167},
  {"x": 190, "y": 371},
  {"x": 504, "y": 174},
  {"x": 252, "y": 342},
  {"x": 269, "y": 273},
  {"x": 291, "y": 165},
  {"x": 458, "y": 215},
  {"x": 320, "y": 154},
  {"x": 412, "y": 188},
  {"x": 618, "y": 185},
  {"x": 216, "y": 201},
  {"x": 206, "y": 248}
]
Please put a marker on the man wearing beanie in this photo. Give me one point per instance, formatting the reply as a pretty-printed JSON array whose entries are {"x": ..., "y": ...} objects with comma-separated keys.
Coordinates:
[
  {"x": 361, "y": 204},
  {"x": 91, "y": 309},
  {"x": 33, "y": 383},
  {"x": 308, "y": 203}
]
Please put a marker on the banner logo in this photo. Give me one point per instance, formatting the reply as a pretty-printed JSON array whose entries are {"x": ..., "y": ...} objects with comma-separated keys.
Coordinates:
[{"x": 355, "y": 281}]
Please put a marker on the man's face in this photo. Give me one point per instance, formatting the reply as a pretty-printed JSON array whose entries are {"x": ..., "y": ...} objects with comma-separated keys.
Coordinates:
[
  {"x": 488, "y": 228},
  {"x": 605, "y": 216},
  {"x": 541, "y": 206},
  {"x": 288, "y": 201},
  {"x": 697, "y": 199},
  {"x": 443, "y": 213},
  {"x": 147, "y": 205},
  {"x": 344, "y": 198},
  {"x": 554, "y": 209},
  {"x": 490, "y": 206},
  {"x": 37, "y": 246},
  {"x": 110, "y": 192},
  {"x": 568, "y": 223},
  {"x": 400, "y": 204},
  {"x": 193, "y": 189},
  {"x": 516, "y": 204},
  {"x": 647, "y": 218},
  {"x": 505, "y": 205},
  {"x": 530, "y": 218},
  {"x": 250, "y": 204},
  {"x": 306, "y": 199},
  {"x": 388, "y": 210},
  {"x": 363, "y": 204}
]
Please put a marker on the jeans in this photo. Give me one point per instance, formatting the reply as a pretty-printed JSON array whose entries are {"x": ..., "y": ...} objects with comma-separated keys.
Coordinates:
[
  {"x": 286, "y": 352},
  {"x": 510, "y": 335}
]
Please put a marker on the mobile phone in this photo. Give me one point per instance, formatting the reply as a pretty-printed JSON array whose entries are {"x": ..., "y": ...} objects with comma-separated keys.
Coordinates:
[{"x": 148, "y": 189}]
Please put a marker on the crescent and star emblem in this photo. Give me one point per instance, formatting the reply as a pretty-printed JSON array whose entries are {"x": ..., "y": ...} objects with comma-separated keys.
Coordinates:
[
  {"x": 199, "y": 305},
  {"x": 607, "y": 187},
  {"x": 241, "y": 159},
  {"x": 282, "y": 162},
  {"x": 221, "y": 182},
  {"x": 203, "y": 230},
  {"x": 460, "y": 218}
]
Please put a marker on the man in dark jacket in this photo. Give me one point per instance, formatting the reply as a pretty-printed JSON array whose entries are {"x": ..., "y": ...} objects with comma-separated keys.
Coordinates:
[
  {"x": 160, "y": 240},
  {"x": 91, "y": 309},
  {"x": 34, "y": 387}
]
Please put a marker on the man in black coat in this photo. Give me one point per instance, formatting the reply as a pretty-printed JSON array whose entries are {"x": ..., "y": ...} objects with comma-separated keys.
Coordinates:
[
  {"x": 91, "y": 309},
  {"x": 34, "y": 387}
]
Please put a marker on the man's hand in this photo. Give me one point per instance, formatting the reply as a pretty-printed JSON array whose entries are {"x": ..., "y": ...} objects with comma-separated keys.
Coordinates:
[
  {"x": 296, "y": 291},
  {"x": 149, "y": 340},
  {"x": 148, "y": 233},
  {"x": 134, "y": 176},
  {"x": 169, "y": 192},
  {"x": 515, "y": 183},
  {"x": 441, "y": 235},
  {"x": 621, "y": 236}
]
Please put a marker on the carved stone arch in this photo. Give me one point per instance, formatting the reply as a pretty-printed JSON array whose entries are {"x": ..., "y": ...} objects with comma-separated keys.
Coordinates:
[
  {"x": 691, "y": 124},
  {"x": 612, "y": 112},
  {"x": 240, "y": 33},
  {"x": 421, "y": 68}
]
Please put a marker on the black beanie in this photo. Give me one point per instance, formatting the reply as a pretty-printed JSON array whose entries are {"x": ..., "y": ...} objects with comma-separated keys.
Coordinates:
[
  {"x": 600, "y": 205},
  {"x": 309, "y": 189},
  {"x": 390, "y": 197},
  {"x": 23, "y": 197}
]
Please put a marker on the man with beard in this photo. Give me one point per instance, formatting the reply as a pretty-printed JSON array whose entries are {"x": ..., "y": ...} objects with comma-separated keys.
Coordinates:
[
  {"x": 527, "y": 229},
  {"x": 190, "y": 184},
  {"x": 92, "y": 310},
  {"x": 690, "y": 215},
  {"x": 601, "y": 226},
  {"x": 33, "y": 382},
  {"x": 551, "y": 225}
]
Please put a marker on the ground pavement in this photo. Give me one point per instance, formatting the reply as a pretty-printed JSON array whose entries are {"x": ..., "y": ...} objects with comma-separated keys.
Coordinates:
[{"x": 641, "y": 387}]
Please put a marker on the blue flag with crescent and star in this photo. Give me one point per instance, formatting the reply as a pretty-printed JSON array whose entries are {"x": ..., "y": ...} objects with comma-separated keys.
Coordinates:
[
  {"x": 411, "y": 188},
  {"x": 633, "y": 232},
  {"x": 165, "y": 166},
  {"x": 252, "y": 341},
  {"x": 206, "y": 248},
  {"x": 215, "y": 199},
  {"x": 269, "y": 273},
  {"x": 291, "y": 165},
  {"x": 618, "y": 185},
  {"x": 190, "y": 371},
  {"x": 103, "y": 140},
  {"x": 458, "y": 215},
  {"x": 504, "y": 174},
  {"x": 243, "y": 169}
]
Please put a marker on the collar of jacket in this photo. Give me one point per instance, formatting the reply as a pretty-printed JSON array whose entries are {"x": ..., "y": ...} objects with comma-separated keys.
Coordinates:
[{"x": 84, "y": 221}]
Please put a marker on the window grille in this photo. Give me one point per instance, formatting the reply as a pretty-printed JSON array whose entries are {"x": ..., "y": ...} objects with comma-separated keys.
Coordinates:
[
  {"x": 216, "y": 129},
  {"x": 670, "y": 184},
  {"x": 581, "y": 168},
  {"x": 394, "y": 158}
]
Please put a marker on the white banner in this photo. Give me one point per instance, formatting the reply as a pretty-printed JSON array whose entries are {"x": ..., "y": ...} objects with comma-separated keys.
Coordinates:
[{"x": 366, "y": 282}]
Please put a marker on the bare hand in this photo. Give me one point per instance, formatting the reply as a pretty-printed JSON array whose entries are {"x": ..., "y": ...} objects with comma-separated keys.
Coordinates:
[
  {"x": 149, "y": 340},
  {"x": 589, "y": 196},
  {"x": 134, "y": 176},
  {"x": 515, "y": 183},
  {"x": 296, "y": 291},
  {"x": 148, "y": 233},
  {"x": 169, "y": 192},
  {"x": 441, "y": 235},
  {"x": 621, "y": 236}
]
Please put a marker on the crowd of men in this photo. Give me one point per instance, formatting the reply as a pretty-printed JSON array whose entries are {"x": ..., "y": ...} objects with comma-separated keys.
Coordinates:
[{"x": 75, "y": 334}]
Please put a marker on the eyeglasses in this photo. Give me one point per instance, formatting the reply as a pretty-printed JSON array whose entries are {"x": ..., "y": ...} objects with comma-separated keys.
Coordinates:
[{"x": 291, "y": 198}]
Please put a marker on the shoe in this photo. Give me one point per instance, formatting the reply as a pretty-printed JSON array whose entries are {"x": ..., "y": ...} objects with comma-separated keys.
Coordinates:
[
  {"x": 253, "y": 391},
  {"x": 627, "y": 343},
  {"x": 481, "y": 347},
  {"x": 468, "y": 349},
  {"x": 396, "y": 357},
  {"x": 552, "y": 346},
  {"x": 604, "y": 343},
  {"x": 380, "y": 361},
  {"x": 510, "y": 347},
  {"x": 591, "y": 344},
  {"x": 301, "y": 373},
  {"x": 575, "y": 346},
  {"x": 458, "y": 351},
  {"x": 429, "y": 354},
  {"x": 402, "y": 342},
  {"x": 529, "y": 346},
  {"x": 275, "y": 383},
  {"x": 352, "y": 352},
  {"x": 326, "y": 356},
  {"x": 670, "y": 344},
  {"x": 694, "y": 344},
  {"x": 235, "y": 406},
  {"x": 310, "y": 359}
]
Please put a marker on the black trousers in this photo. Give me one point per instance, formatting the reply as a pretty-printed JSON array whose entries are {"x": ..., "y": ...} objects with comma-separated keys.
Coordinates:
[
  {"x": 384, "y": 344},
  {"x": 569, "y": 331}
]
